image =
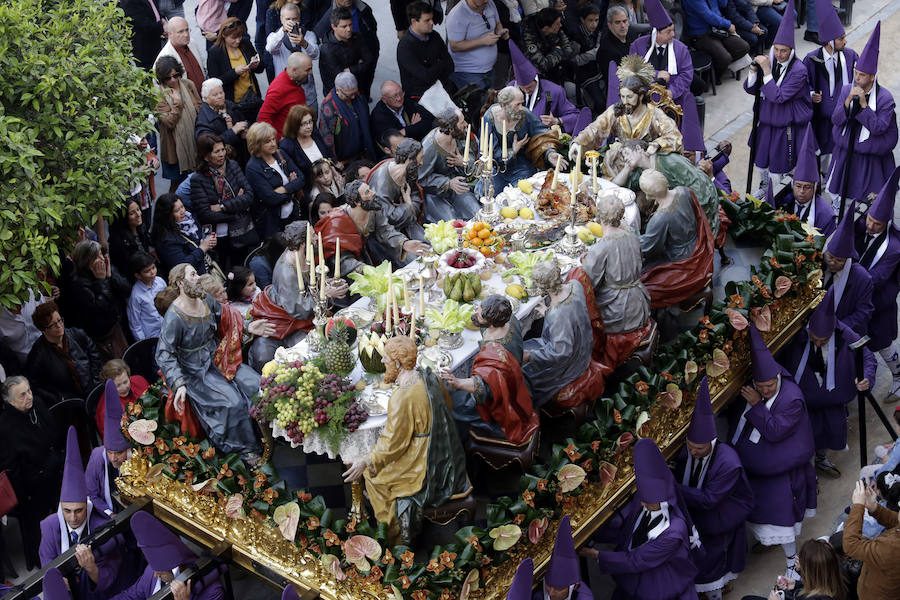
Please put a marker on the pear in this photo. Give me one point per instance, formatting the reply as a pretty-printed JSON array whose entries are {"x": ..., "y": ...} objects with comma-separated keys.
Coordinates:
[
  {"x": 457, "y": 292},
  {"x": 468, "y": 291}
]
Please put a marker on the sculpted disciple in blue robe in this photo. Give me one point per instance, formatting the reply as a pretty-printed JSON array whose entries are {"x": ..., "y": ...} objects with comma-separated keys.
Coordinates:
[
  {"x": 671, "y": 232},
  {"x": 827, "y": 78},
  {"x": 563, "y": 352},
  {"x": 785, "y": 110},
  {"x": 518, "y": 165}
]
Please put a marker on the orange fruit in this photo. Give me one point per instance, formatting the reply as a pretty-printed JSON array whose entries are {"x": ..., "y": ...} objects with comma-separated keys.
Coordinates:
[
  {"x": 484, "y": 234},
  {"x": 477, "y": 226},
  {"x": 477, "y": 241},
  {"x": 466, "y": 244},
  {"x": 490, "y": 241},
  {"x": 485, "y": 250}
]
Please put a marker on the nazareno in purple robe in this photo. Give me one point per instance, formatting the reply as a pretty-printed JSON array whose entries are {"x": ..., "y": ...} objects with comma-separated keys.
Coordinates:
[
  {"x": 778, "y": 465},
  {"x": 818, "y": 82},
  {"x": 784, "y": 111},
  {"x": 108, "y": 558},
  {"x": 828, "y": 409},
  {"x": 873, "y": 159},
  {"x": 660, "y": 569},
  {"x": 884, "y": 272},
  {"x": 582, "y": 592},
  {"x": 559, "y": 106},
  {"x": 720, "y": 178},
  {"x": 679, "y": 84},
  {"x": 825, "y": 219},
  {"x": 854, "y": 307},
  {"x": 209, "y": 588},
  {"x": 719, "y": 506},
  {"x": 97, "y": 482}
]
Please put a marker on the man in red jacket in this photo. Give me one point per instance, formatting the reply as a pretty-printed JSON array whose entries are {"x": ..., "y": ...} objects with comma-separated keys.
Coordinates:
[{"x": 284, "y": 92}]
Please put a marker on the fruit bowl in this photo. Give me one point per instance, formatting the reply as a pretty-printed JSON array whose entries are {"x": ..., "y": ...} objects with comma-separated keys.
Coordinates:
[{"x": 463, "y": 260}]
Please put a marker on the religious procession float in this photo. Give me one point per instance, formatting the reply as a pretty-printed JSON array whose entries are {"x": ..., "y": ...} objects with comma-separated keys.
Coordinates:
[{"x": 326, "y": 395}]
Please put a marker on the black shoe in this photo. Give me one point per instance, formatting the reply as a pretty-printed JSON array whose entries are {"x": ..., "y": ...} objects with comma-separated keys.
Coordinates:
[{"x": 811, "y": 36}]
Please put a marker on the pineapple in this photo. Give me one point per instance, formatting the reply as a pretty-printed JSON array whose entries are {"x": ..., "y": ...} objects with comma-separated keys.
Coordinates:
[{"x": 338, "y": 357}]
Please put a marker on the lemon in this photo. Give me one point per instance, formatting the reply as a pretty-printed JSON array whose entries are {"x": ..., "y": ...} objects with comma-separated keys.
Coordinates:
[
  {"x": 526, "y": 213},
  {"x": 596, "y": 228},
  {"x": 508, "y": 212},
  {"x": 585, "y": 235},
  {"x": 269, "y": 367},
  {"x": 525, "y": 186},
  {"x": 516, "y": 291}
]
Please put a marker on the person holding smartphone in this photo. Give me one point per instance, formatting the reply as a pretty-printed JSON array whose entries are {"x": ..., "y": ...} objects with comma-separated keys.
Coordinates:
[
  {"x": 234, "y": 60},
  {"x": 289, "y": 38}
]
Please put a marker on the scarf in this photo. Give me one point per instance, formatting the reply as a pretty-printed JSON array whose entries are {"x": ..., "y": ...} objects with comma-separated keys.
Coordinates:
[
  {"x": 185, "y": 143},
  {"x": 188, "y": 226},
  {"x": 64, "y": 527},
  {"x": 691, "y": 461},
  {"x": 829, "y": 363},
  {"x": 672, "y": 66},
  {"x": 864, "y": 133},
  {"x": 107, "y": 493},
  {"x": 755, "y": 435},
  {"x": 63, "y": 352}
]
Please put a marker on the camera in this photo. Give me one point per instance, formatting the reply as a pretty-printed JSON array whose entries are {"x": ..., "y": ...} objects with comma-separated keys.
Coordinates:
[{"x": 295, "y": 30}]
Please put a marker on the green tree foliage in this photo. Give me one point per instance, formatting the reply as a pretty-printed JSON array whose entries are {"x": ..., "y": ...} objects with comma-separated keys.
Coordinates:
[{"x": 70, "y": 103}]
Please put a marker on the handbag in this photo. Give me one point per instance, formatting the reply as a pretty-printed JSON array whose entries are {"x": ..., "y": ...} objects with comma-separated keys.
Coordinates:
[
  {"x": 249, "y": 105},
  {"x": 717, "y": 32},
  {"x": 8, "y": 499}
]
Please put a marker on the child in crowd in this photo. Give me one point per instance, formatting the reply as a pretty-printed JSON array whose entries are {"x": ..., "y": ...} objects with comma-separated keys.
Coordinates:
[
  {"x": 144, "y": 320},
  {"x": 130, "y": 387},
  {"x": 241, "y": 288}
]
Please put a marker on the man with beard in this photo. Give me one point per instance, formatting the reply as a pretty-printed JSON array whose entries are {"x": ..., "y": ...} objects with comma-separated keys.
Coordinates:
[
  {"x": 633, "y": 117},
  {"x": 441, "y": 174},
  {"x": 218, "y": 385},
  {"x": 521, "y": 126},
  {"x": 495, "y": 400},
  {"x": 365, "y": 233},
  {"x": 418, "y": 461},
  {"x": 283, "y": 304},
  {"x": 395, "y": 182}
]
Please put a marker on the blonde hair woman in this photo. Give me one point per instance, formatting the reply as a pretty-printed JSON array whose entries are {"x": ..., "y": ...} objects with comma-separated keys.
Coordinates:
[{"x": 275, "y": 179}]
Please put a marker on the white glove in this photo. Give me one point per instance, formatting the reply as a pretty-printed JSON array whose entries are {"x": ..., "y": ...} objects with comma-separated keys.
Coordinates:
[{"x": 573, "y": 150}]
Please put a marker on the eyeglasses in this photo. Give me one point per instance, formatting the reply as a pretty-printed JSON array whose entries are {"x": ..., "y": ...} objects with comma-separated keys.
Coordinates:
[
  {"x": 59, "y": 321},
  {"x": 171, "y": 77}
]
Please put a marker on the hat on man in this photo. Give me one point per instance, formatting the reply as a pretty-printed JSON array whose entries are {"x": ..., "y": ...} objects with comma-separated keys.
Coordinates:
[
  {"x": 113, "y": 440},
  {"x": 882, "y": 208},
  {"x": 868, "y": 58},
  {"x": 523, "y": 70},
  {"x": 73, "y": 489},
  {"x": 841, "y": 244},
  {"x": 563, "y": 570},
  {"x": 702, "y": 429},
  {"x": 785, "y": 34},
  {"x": 830, "y": 27}
]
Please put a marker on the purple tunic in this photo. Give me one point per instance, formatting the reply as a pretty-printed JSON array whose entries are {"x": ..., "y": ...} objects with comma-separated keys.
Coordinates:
[
  {"x": 719, "y": 507},
  {"x": 873, "y": 159},
  {"x": 825, "y": 218},
  {"x": 855, "y": 307},
  {"x": 778, "y": 466},
  {"x": 660, "y": 569},
  {"x": 108, "y": 558},
  {"x": 582, "y": 592},
  {"x": 818, "y": 82},
  {"x": 883, "y": 270},
  {"x": 559, "y": 105},
  {"x": 96, "y": 481},
  {"x": 210, "y": 588},
  {"x": 720, "y": 178},
  {"x": 783, "y": 114},
  {"x": 828, "y": 410}
]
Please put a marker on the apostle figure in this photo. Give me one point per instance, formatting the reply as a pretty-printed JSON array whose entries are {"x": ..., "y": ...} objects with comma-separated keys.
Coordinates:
[
  {"x": 715, "y": 489},
  {"x": 442, "y": 172},
  {"x": 613, "y": 264},
  {"x": 774, "y": 440},
  {"x": 850, "y": 281},
  {"x": 71, "y": 525},
  {"x": 288, "y": 310},
  {"x": 563, "y": 352},
  {"x": 218, "y": 384},
  {"x": 633, "y": 117},
  {"x": 418, "y": 461},
  {"x": 395, "y": 182},
  {"x": 824, "y": 367},
  {"x": 829, "y": 69},
  {"x": 671, "y": 59},
  {"x": 625, "y": 162},
  {"x": 520, "y": 588},
  {"x": 166, "y": 556},
  {"x": 529, "y": 145},
  {"x": 677, "y": 244},
  {"x": 785, "y": 108},
  {"x": 496, "y": 401},
  {"x": 878, "y": 245},
  {"x": 367, "y": 238},
  {"x": 803, "y": 199},
  {"x": 544, "y": 98},
  {"x": 103, "y": 465},
  {"x": 871, "y": 106},
  {"x": 563, "y": 578},
  {"x": 653, "y": 535}
]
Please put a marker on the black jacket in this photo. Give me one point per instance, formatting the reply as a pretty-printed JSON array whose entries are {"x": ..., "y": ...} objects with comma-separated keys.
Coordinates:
[
  {"x": 237, "y": 209},
  {"x": 383, "y": 118},
  {"x": 335, "y": 56},
  {"x": 49, "y": 375},
  {"x": 174, "y": 249},
  {"x": 267, "y": 208},
  {"x": 96, "y": 302},
  {"x": 292, "y": 150},
  {"x": 218, "y": 65},
  {"x": 146, "y": 32},
  {"x": 422, "y": 63},
  {"x": 368, "y": 27},
  {"x": 123, "y": 245},
  {"x": 210, "y": 121},
  {"x": 611, "y": 49}
]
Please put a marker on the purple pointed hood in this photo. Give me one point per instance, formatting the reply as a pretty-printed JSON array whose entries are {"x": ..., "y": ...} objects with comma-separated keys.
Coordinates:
[
  {"x": 657, "y": 15},
  {"x": 702, "y": 429},
  {"x": 830, "y": 27},
  {"x": 612, "y": 86},
  {"x": 161, "y": 547},
  {"x": 113, "y": 439},
  {"x": 807, "y": 169},
  {"x": 523, "y": 70},
  {"x": 55, "y": 586},
  {"x": 289, "y": 593},
  {"x": 764, "y": 365},
  {"x": 868, "y": 58},
  {"x": 563, "y": 570},
  {"x": 770, "y": 194},
  {"x": 691, "y": 132},
  {"x": 520, "y": 589},
  {"x": 882, "y": 208},
  {"x": 655, "y": 482},
  {"x": 822, "y": 320},
  {"x": 785, "y": 34},
  {"x": 73, "y": 488},
  {"x": 842, "y": 243}
]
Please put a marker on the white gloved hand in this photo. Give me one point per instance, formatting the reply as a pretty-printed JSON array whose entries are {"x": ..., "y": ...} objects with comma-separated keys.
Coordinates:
[{"x": 573, "y": 149}]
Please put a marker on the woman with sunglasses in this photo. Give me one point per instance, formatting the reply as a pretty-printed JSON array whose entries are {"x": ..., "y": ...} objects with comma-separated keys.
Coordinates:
[{"x": 177, "y": 113}]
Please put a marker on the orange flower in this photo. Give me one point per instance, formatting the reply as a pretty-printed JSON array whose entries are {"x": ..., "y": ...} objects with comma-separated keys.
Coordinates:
[
  {"x": 161, "y": 445},
  {"x": 407, "y": 558},
  {"x": 188, "y": 476},
  {"x": 420, "y": 594},
  {"x": 209, "y": 453},
  {"x": 572, "y": 452},
  {"x": 542, "y": 483},
  {"x": 135, "y": 409},
  {"x": 473, "y": 539},
  {"x": 191, "y": 449},
  {"x": 350, "y": 527},
  {"x": 303, "y": 541},
  {"x": 704, "y": 320},
  {"x": 242, "y": 481},
  {"x": 588, "y": 464},
  {"x": 388, "y": 558},
  {"x": 331, "y": 538},
  {"x": 225, "y": 472},
  {"x": 316, "y": 548},
  {"x": 312, "y": 523},
  {"x": 255, "y": 514},
  {"x": 595, "y": 445},
  {"x": 447, "y": 559},
  {"x": 270, "y": 495},
  {"x": 147, "y": 451},
  {"x": 736, "y": 301},
  {"x": 774, "y": 263},
  {"x": 641, "y": 387},
  {"x": 434, "y": 566},
  {"x": 703, "y": 335},
  {"x": 404, "y": 582},
  {"x": 446, "y": 594},
  {"x": 179, "y": 442},
  {"x": 261, "y": 480},
  {"x": 528, "y": 496},
  {"x": 174, "y": 459},
  {"x": 304, "y": 496},
  {"x": 727, "y": 347},
  {"x": 667, "y": 376},
  {"x": 519, "y": 519},
  {"x": 617, "y": 416}
]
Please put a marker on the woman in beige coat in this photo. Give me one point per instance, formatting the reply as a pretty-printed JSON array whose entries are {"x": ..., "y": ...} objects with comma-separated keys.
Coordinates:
[
  {"x": 880, "y": 577},
  {"x": 177, "y": 113}
]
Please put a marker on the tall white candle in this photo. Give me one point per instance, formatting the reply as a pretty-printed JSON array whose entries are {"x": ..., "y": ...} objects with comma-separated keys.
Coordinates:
[
  {"x": 299, "y": 272},
  {"x": 337, "y": 259},
  {"x": 468, "y": 141},
  {"x": 504, "y": 140}
]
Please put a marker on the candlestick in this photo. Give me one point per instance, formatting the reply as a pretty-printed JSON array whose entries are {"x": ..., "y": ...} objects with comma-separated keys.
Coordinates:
[
  {"x": 468, "y": 140},
  {"x": 421, "y": 295},
  {"x": 323, "y": 270},
  {"x": 396, "y": 313},
  {"x": 387, "y": 307},
  {"x": 412, "y": 324},
  {"x": 556, "y": 173},
  {"x": 321, "y": 251},
  {"x": 578, "y": 160},
  {"x": 337, "y": 259},
  {"x": 481, "y": 140},
  {"x": 299, "y": 272},
  {"x": 406, "y": 294},
  {"x": 309, "y": 252},
  {"x": 490, "y": 156},
  {"x": 594, "y": 174},
  {"x": 504, "y": 140}
]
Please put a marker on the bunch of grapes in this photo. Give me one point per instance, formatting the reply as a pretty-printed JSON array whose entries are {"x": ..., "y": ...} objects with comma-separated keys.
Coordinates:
[
  {"x": 354, "y": 417},
  {"x": 294, "y": 433}
]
